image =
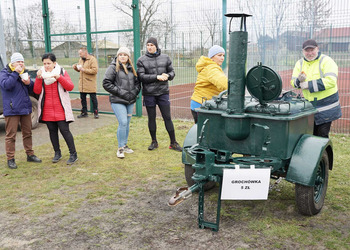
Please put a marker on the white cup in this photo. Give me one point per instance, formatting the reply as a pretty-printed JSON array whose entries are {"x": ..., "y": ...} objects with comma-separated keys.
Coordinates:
[
  {"x": 24, "y": 76},
  {"x": 79, "y": 66}
]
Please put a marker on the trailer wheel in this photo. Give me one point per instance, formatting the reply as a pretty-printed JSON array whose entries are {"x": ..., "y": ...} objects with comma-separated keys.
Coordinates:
[
  {"x": 310, "y": 200},
  {"x": 189, "y": 171}
]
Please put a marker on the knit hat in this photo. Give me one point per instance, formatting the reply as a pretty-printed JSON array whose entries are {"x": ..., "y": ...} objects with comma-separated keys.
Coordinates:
[
  {"x": 124, "y": 50},
  {"x": 16, "y": 57},
  {"x": 153, "y": 41},
  {"x": 309, "y": 44},
  {"x": 216, "y": 49}
]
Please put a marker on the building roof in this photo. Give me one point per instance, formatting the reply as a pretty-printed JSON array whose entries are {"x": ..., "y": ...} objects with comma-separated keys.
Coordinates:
[
  {"x": 333, "y": 32},
  {"x": 104, "y": 44}
]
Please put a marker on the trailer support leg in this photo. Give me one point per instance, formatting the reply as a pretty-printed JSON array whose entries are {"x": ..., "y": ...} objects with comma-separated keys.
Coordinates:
[{"x": 201, "y": 222}]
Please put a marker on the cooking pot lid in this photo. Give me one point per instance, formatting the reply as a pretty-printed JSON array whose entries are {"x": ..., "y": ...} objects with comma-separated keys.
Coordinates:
[{"x": 263, "y": 83}]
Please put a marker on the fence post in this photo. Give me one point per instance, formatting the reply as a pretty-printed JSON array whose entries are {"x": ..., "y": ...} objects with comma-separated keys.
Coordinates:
[
  {"x": 224, "y": 37},
  {"x": 137, "y": 46},
  {"x": 46, "y": 20}
]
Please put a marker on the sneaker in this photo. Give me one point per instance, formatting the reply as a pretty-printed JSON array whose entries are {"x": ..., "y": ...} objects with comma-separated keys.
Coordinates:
[
  {"x": 175, "y": 146},
  {"x": 153, "y": 145},
  {"x": 11, "y": 164},
  {"x": 128, "y": 150},
  {"x": 33, "y": 158},
  {"x": 57, "y": 157},
  {"x": 83, "y": 115},
  {"x": 120, "y": 153},
  {"x": 96, "y": 114},
  {"x": 72, "y": 158}
]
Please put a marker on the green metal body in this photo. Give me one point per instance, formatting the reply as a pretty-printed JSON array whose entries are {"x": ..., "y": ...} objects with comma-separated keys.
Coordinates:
[
  {"x": 264, "y": 130},
  {"x": 306, "y": 156}
]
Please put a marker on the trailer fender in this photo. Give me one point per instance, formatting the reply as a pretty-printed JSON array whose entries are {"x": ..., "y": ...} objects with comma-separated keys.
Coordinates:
[
  {"x": 190, "y": 140},
  {"x": 306, "y": 157}
]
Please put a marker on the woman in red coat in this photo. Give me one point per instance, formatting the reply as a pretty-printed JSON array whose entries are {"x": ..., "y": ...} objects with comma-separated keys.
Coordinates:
[{"x": 53, "y": 83}]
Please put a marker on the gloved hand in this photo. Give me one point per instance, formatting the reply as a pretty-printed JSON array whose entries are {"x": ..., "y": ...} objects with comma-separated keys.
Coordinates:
[
  {"x": 302, "y": 76},
  {"x": 304, "y": 85}
]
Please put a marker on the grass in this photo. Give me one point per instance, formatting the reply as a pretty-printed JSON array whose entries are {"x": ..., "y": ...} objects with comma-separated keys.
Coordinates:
[
  {"x": 41, "y": 188},
  {"x": 37, "y": 189}
]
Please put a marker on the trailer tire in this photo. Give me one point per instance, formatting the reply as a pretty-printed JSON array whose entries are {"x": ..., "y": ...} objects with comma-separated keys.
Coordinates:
[
  {"x": 189, "y": 171},
  {"x": 310, "y": 199}
]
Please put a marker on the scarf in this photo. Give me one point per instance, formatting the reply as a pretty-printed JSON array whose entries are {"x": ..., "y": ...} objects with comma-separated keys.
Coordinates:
[
  {"x": 48, "y": 76},
  {"x": 13, "y": 68}
]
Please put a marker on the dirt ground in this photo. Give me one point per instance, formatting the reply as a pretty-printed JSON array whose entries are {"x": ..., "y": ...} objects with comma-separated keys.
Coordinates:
[
  {"x": 145, "y": 222},
  {"x": 80, "y": 126}
]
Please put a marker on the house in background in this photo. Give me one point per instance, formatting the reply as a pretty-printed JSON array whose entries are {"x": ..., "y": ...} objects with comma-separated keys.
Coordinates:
[
  {"x": 70, "y": 49},
  {"x": 333, "y": 39},
  {"x": 294, "y": 39}
]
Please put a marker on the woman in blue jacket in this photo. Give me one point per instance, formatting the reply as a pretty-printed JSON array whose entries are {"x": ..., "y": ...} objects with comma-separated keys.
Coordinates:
[{"x": 15, "y": 86}]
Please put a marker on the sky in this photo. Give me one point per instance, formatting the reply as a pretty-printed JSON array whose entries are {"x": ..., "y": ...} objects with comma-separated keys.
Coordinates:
[{"x": 184, "y": 12}]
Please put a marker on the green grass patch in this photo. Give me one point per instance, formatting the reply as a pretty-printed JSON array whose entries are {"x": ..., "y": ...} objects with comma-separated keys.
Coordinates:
[{"x": 99, "y": 176}]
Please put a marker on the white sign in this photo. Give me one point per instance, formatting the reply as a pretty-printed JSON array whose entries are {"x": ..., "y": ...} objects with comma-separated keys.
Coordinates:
[{"x": 245, "y": 183}]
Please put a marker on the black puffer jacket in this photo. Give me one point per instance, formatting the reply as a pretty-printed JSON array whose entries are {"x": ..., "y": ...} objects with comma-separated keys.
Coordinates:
[
  {"x": 151, "y": 65},
  {"x": 123, "y": 88}
]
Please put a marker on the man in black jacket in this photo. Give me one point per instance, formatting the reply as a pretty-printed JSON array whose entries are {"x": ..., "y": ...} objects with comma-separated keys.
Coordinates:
[{"x": 154, "y": 70}]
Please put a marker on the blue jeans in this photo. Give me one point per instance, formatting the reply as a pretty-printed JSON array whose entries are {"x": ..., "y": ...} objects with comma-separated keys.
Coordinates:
[{"x": 123, "y": 112}]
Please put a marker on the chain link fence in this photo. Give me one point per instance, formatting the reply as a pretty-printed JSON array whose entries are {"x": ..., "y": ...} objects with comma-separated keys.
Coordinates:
[{"x": 185, "y": 30}]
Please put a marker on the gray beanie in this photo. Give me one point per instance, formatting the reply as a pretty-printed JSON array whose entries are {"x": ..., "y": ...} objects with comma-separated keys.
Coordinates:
[
  {"x": 16, "y": 57},
  {"x": 216, "y": 49},
  {"x": 153, "y": 41},
  {"x": 124, "y": 50}
]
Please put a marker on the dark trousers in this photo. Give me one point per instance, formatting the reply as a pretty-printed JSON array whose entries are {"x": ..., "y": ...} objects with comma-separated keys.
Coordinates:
[
  {"x": 84, "y": 104},
  {"x": 322, "y": 129},
  {"x": 67, "y": 135},
  {"x": 11, "y": 126},
  {"x": 152, "y": 126},
  {"x": 195, "y": 116}
]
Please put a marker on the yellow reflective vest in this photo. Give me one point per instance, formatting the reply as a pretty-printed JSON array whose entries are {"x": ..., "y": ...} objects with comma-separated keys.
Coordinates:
[{"x": 322, "y": 92}]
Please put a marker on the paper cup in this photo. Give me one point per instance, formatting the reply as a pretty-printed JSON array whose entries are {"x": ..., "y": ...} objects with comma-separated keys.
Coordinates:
[
  {"x": 24, "y": 76},
  {"x": 79, "y": 66}
]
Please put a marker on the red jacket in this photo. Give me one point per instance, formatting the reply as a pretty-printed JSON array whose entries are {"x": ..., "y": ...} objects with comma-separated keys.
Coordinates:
[{"x": 52, "y": 108}]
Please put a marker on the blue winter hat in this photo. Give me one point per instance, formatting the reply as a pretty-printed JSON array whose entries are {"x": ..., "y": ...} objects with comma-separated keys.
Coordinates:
[
  {"x": 17, "y": 57},
  {"x": 216, "y": 49}
]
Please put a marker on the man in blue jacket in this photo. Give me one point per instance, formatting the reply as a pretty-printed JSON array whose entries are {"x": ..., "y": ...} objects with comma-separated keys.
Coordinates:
[{"x": 15, "y": 86}]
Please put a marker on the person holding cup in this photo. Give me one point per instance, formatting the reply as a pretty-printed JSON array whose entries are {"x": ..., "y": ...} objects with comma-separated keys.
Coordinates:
[
  {"x": 52, "y": 83},
  {"x": 15, "y": 86}
]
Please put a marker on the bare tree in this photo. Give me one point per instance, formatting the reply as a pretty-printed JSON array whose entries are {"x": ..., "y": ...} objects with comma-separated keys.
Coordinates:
[
  {"x": 212, "y": 22},
  {"x": 313, "y": 14},
  {"x": 259, "y": 23},
  {"x": 30, "y": 25},
  {"x": 148, "y": 15},
  {"x": 280, "y": 8},
  {"x": 209, "y": 22}
]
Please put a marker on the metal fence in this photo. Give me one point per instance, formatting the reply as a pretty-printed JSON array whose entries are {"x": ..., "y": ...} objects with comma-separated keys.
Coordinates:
[{"x": 185, "y": 31}]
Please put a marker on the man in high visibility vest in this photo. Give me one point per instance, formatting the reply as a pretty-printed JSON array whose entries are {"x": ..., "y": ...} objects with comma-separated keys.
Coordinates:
[{"x": 316, "y": 74}]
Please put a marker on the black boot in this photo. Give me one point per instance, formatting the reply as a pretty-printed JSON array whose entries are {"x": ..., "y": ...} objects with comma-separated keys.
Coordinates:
[
  {"x": 96, "y": 116},
  {"x": 72, "y": 158},
  {"x": 153, "y": 145},
  {"x": 83, "y": 115},
  {"x": 57, "y": 156},
  {"x": 11, "y": 164},
  {"x": 33, "y": 158}
]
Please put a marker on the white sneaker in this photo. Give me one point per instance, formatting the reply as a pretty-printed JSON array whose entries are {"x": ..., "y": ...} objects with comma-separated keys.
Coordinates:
[
  {"x": 128, "y": 150},
  {"x": 120, "y": 153}
]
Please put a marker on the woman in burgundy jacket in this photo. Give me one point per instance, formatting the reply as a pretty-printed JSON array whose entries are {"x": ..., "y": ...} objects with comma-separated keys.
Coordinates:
[{"x": 53, "y": 83}]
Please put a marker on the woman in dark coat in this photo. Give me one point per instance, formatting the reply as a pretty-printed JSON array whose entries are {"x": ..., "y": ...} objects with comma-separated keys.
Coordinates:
[
  {"x": 121, "y": 82},
  {"x": 154, "y": 70}
]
